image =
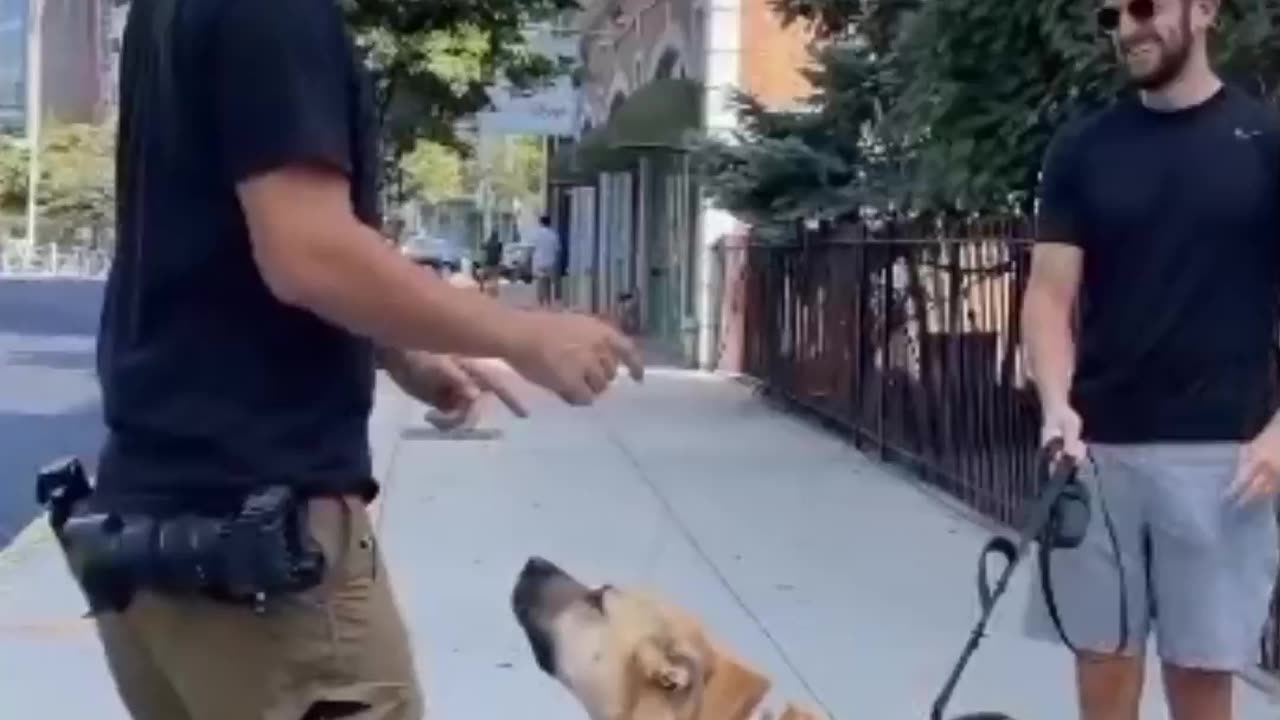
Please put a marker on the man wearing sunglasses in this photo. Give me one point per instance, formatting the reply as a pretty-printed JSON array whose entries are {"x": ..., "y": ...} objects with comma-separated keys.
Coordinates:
[{"x": 1160, "y": 223}]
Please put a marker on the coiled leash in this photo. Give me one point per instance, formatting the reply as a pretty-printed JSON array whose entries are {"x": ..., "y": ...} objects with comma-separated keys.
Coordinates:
[{"x": 1059, "y": 520}]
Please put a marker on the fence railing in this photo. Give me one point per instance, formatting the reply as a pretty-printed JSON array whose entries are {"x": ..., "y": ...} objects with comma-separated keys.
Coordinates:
[
  {"x": 51, "y": 260},
  {"x": 910, "y": 344}
]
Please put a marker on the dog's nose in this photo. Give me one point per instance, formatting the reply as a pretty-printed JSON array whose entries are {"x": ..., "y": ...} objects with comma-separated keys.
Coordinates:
[
  {"x": 534, "y": 577},
  {"x": 540, "y": 567}
]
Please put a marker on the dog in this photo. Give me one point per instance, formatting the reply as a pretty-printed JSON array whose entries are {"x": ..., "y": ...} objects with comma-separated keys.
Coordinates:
[{"x": 626, "y": 655}]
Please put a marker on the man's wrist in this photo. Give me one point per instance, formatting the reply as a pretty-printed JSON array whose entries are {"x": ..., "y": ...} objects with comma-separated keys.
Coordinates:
[
  {"x": 1054, "y": 398},
  {"x": 388, "y": 358},
  {"x": 514, "y": 334}
]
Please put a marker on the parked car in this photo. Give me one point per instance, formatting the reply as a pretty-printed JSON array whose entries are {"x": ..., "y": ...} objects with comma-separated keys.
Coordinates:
[
  {"x": 517, "y": 262},
  {"x": 439, "y": 253}
]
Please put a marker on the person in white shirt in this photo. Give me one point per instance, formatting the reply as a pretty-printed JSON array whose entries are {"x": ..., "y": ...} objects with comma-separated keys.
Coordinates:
[{"x": 546, "y": 259}]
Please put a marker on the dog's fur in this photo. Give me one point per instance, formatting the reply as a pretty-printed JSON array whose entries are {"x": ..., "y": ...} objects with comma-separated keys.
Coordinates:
[{"x": 629, "y": 656}]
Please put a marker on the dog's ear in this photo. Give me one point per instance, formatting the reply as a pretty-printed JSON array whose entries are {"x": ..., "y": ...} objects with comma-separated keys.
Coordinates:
[
  {"x": 733, "y": 689},
  {"x": 660, "y": 669}
]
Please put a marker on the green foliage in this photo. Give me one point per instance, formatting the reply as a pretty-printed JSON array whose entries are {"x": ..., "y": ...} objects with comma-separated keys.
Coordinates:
[
  {"x": 433, "y": 60},
  {"x": 77, "y": 165},
  {"x": 943, "y": 106},
  {"x": 13, "y": 175},
  {"x": 434, "y": 172},
  {"x": 826, "y": 161},
  {"x": 76, "y": 185},
  {"x": 511, "y": 171}
]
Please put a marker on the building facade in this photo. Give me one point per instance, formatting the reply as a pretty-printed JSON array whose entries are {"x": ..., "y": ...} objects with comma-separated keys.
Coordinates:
[
  {"x": 654, "y": 74},
  {"x": 74, "y": 53},
  {"x": 13, "y": 64}
]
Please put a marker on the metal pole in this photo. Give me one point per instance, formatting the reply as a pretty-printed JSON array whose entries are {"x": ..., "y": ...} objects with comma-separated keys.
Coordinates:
[{"x": 35, "y": 67}]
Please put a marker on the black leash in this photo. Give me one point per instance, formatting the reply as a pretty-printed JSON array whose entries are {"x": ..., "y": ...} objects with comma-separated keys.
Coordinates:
[
  {"x": 1059, "y": 519},
  {"x": 1045, "y": 553}
]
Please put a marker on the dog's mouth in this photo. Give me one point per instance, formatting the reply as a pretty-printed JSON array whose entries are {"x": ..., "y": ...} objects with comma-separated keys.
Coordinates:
[{"x": 542, "y": 591}]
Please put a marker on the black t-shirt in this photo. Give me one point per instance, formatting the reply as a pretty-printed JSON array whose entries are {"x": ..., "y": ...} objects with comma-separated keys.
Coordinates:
[
  {"x": 211, "y": 386},
  {"x": 1178, "y": 216}
]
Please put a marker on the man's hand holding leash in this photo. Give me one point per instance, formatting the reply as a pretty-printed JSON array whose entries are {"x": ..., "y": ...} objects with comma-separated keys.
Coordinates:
[{"x": 1062, "y": 421}]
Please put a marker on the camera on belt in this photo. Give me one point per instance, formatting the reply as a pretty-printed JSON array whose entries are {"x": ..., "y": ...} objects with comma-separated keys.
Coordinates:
[{"x": 259, "y": 551}]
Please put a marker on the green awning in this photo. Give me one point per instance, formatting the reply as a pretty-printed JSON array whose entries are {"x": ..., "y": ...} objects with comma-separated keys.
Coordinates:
[
  {"x": 565, "y": 169},
  {"x": 658, "y": 116},
  {"x": 593, "y": 154}
]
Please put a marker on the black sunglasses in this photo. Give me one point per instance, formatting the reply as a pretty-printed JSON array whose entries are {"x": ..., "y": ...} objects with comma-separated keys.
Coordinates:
[{"x": 1140, "y": 10}]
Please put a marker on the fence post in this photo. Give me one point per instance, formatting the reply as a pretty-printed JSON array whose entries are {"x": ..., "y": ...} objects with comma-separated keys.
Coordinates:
[{"x": 886, "y": 283}]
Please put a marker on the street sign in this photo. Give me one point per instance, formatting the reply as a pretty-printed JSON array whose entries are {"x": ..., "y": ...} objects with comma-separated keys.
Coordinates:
[{"x": 549, "y": 111}]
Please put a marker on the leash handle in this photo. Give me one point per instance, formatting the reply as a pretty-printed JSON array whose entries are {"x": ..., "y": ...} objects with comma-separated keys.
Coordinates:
[
  {"x": 1058, "y": 469},
  {"x": 1055, "y": 465}
]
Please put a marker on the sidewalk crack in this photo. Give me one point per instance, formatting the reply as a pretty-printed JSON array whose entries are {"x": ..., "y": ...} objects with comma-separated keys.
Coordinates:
[{"x": 721, "y": 578}]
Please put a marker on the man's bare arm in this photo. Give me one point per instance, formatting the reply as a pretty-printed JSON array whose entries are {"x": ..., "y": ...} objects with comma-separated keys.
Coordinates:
[
  {"x": 314, "y": 253},
  {"x": 1046, "y": 319}
]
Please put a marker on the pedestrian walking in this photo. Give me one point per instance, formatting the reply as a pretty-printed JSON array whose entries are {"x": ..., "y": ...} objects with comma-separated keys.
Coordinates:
[{"x": 546, "y": 260}]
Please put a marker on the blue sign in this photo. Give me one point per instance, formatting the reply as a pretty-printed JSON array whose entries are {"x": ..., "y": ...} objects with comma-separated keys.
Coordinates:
[{"x": 13, "y": 64}]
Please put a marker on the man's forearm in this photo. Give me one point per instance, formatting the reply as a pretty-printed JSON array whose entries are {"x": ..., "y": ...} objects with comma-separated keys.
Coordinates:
[
  {"x": 1046, "y": 329},
  {"x": 362, "y": 284}
]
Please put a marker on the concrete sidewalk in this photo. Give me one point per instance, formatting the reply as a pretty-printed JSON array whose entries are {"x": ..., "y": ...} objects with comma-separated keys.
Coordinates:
[{"x": 846, "y": 583}]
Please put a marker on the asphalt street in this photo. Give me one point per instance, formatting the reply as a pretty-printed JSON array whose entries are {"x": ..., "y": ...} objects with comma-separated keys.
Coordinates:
[{"x": 49, "y": 402}]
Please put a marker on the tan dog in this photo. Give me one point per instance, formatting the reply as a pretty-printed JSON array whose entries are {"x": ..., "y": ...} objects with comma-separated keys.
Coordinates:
[{"x": 628, "y": 656}]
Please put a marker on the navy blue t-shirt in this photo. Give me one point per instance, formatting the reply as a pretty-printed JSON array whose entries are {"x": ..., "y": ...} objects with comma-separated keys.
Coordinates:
[
  {"x": 1178, "y": 216},
  {"x": 212, "y": 386}
]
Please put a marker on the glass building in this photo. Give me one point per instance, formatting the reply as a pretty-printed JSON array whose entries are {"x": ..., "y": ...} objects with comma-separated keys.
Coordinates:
[{"x": 13, "y": 64}]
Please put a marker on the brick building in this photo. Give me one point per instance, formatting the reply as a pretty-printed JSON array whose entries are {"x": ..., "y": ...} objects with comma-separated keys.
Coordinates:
[{"x": 653, "y": 75}]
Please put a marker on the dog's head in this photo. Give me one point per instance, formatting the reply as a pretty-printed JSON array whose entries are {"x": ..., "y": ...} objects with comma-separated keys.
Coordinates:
[{"x": 629, "y": 656}]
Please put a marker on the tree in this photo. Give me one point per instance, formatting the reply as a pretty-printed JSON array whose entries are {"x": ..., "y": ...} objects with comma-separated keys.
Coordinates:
[
  {"x": 77, "y": 163},
  {"x": 435, "y": 172},
  {"x": 13, "y": 175},
  {"x": 826, "y": 162},
  {"x": 946, "y": 106},
  {"x": 76, "y": 185},
  {"x": 513, "y": 171},
  {"x": 433, "y": 60}
]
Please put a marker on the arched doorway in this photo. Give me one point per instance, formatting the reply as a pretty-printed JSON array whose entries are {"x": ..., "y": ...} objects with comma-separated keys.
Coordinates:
[{"x": 666, "y": 67}]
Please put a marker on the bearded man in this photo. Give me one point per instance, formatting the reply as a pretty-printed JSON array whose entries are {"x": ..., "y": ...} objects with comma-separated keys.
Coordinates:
[{"x": 1159, "y": 223}]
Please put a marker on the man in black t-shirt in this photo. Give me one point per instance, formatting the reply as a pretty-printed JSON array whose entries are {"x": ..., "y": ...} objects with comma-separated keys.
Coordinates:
[
  {"x": 249, "y": 303},
  {"x": 1160, "y": 222}
]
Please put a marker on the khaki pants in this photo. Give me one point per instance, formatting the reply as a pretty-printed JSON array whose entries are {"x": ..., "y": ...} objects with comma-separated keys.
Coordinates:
[{"x": 340, "y": 650}]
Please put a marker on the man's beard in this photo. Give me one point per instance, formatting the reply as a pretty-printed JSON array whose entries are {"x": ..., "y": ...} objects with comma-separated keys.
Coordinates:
[{"x": 1172, "y": 59}]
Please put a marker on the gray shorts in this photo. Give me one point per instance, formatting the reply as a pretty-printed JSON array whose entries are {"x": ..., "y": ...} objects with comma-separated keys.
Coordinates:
[{"x": 1208, "y": 587}]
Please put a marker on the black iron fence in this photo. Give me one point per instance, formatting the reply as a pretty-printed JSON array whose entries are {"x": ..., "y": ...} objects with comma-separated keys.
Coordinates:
[{"x": 909, "y": 341}]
